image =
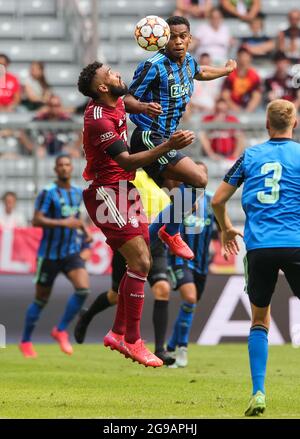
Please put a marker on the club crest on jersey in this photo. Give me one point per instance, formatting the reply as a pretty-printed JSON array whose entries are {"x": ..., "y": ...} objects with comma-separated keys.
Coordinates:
[
  {"x": 172, "y": 153},
  {"x": 134, "y": 222}
]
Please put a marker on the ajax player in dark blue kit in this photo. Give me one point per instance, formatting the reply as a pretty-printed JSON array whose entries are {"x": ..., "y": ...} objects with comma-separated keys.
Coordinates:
[
  {"x": 271, "y": 176},
  {"x": 57, "y": 211},
  {"x": 167, "y": 79},
  {"x": 189, "y": 277}
]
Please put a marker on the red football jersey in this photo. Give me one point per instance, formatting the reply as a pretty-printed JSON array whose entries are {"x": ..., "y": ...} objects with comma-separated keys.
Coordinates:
[
  {"x": 103, "y": 126},
  {"x": 12, "y": 86},
  {"x": 222, "y": 141}
]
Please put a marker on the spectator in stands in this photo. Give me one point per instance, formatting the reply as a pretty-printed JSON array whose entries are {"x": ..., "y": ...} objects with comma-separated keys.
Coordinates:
[
  {"x": 36, "y": 87},
  {"x": 9, "y": 215},
  {"x": 14, "y": 143},
  {"x": 205, "y": 92},
  {"x": 53, "y": 142},
  {"x": 221, "y": 143},
  {"x": 289, "y": 39},
  {"x": 280, "y": 85},
  {"x": 245, "y": 10},
  {"x": 213, "y": 37},
  {"x": 10, "y": 90},
  {"x": 193, "y": 8},
  {"x": 242, "y": 88},
  {"x": 258, "y": 43}
]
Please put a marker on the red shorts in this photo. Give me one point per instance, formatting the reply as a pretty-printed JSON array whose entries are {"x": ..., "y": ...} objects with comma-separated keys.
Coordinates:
[{"x": 118, "y": 211}]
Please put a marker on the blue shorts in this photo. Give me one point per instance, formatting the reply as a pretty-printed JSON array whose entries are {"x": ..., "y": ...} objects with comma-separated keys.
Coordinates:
[
  {"x": 183, "y": 274},
  {"x": 145, "y": 140},
  {"x": 48, "y": 269}
]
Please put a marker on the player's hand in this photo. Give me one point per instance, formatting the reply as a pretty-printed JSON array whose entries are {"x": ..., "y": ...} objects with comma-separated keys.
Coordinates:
[
  {"x": 152, "y": 109},
  {"x": 72, "y": 222},
  {"x": 230, "y": 66},
  {"x": 180, "y": 139},
  {"x": 229, "y": 243}
]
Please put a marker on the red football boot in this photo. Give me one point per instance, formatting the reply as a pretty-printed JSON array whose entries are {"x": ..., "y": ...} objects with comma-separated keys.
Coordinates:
[
  {"x": 116, "y": 342},
  {"x": 138, "y": 352},
  {"x": 62, "y": 337},
  {"x": 26, "y": 347},
  {"x": 176, "y": 244}
]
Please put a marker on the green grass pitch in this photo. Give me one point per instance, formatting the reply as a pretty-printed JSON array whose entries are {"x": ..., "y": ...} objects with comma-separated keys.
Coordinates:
[{"x": 98, "y": 383}]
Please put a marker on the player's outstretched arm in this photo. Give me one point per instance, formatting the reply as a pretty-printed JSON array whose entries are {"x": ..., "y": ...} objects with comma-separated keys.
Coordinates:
[
  {"x": 228, "y": 232},
  {"x": 134, "y": 106},
  {"x": 178, "y": 140},
  {"x": 208, "y": 73}
]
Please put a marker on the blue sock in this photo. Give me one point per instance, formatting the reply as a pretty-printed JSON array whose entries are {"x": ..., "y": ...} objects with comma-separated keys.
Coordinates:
[
  {"x": 73, "y": 307},
  {"x": 258, "y": 355},
  {"x": 185, "y": 320},
  {"x": 31, "y": 317},
  {"x": 182, "y": 326},
  {"x": 173, "y": 340},
  {"x": 173, "y": 219}
]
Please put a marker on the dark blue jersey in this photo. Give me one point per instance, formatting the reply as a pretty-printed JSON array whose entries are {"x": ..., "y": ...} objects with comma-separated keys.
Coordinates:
[
  {"x": 202, "y": 221},
  {"x": 57, "y": 203},
  {"x": 158, "y": 79}
]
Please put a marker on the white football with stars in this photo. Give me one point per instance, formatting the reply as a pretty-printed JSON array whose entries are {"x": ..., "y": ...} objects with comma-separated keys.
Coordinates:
[{"x": 152, "y": 33}]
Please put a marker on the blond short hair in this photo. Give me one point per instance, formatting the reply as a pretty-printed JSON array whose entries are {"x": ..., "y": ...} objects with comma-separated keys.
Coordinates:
[{"x": 281, "y": 114}]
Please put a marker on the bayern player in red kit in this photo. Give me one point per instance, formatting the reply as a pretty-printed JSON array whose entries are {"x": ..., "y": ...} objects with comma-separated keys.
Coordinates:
[{"x": 112, "y": 201}]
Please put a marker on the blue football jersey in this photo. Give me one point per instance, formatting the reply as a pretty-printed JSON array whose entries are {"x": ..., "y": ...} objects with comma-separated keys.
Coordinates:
[
  {"x": 271, "y": 176},
  {"x": 196, "y": 230},
  {"x": 158, "y": 79},
  {"x": 58, "y": 203}
]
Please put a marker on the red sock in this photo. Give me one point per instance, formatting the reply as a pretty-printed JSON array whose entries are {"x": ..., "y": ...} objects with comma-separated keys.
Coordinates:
[
  {"x": 134, "y": 300},
  {"x": 119, "y": 325}
]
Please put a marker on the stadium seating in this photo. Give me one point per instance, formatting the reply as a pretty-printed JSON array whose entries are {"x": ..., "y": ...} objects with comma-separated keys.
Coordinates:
[{"x": 37, "y": 7}]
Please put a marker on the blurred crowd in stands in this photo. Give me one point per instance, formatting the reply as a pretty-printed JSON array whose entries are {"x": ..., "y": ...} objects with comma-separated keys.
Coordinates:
[
  {"x": 223, "y": 100},
  {"x": 244, "y": 90}
]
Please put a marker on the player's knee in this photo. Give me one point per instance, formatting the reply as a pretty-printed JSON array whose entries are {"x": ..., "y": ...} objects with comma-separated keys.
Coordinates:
[
  {"x": 82, "y": 291},
  {"x": 42, "y": 296},
  {"x": 112, "y": 297},
  {"x": 144, "y": 265},
  {"x": 161, "y": 290},
  {"x": 191, "y": 299},
  {"x": 199, "y": 178},
  {"x": 141, "y": 263}
]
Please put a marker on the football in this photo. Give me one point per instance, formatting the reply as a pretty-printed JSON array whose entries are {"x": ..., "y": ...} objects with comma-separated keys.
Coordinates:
[{"x": 152, "y": 33}]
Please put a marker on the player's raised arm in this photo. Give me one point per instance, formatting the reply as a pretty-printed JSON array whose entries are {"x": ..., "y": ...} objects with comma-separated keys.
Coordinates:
[
  {"x": 129, "y": 162},
  {"x": 233, "y": 179},
  {"x": 208, "y": 73}
]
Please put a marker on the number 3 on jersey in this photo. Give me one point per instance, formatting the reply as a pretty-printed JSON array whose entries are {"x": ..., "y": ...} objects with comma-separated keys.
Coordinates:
[{"x": 271, "y": 182}]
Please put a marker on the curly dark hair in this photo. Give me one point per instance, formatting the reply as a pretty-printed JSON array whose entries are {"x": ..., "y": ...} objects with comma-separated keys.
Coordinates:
[
  {"x": 86, "y": 78},
  {"x": 176, "y": 19}
]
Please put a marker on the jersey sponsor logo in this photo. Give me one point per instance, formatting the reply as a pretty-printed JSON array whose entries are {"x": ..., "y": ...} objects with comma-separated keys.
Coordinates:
[
  {"x": 69, "y": 210},
  {"x": 170, "y": 77},
  {"x": 194, "y": 221},
  {"x": 178, "y": 90},
  {"x": 107, "y": 136}
]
